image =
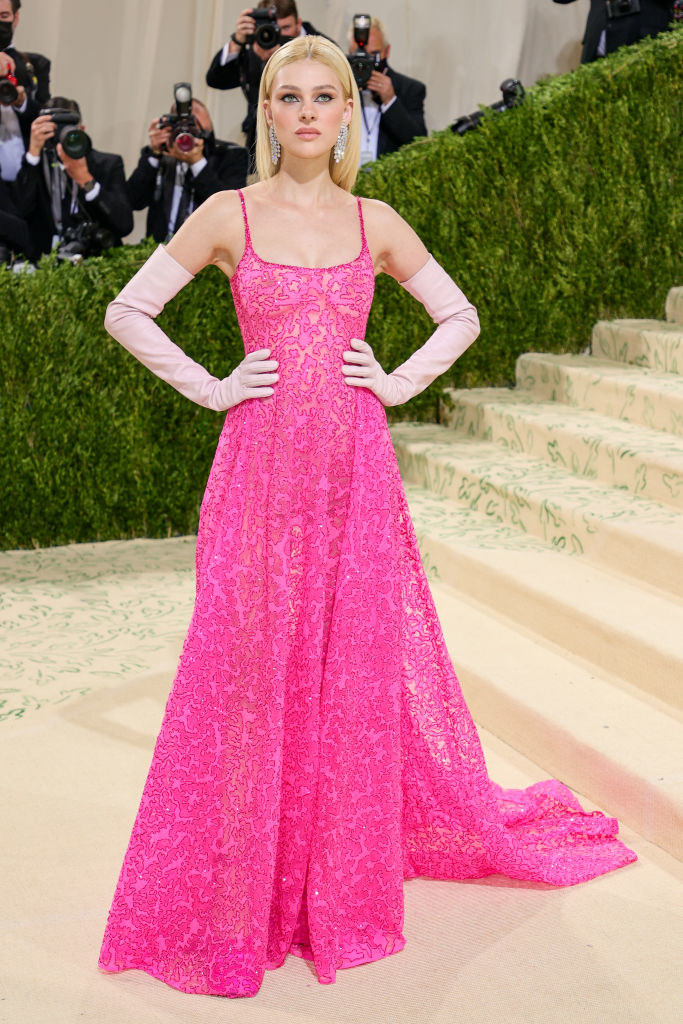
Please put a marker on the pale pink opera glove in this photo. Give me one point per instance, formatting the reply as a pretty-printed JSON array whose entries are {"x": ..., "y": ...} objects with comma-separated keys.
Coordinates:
[
  {"x": 130, "y": 319},
  {"x": 458, "y": 326}
]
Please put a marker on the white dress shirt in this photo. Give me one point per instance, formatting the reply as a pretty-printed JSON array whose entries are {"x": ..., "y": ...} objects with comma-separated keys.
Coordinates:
[
  {"x": 371, "y": 116},
  {"x": 12, "y": 147}
]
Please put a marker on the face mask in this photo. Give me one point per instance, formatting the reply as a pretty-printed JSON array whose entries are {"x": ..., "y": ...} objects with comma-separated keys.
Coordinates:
[{"x": 6, "y": 33}]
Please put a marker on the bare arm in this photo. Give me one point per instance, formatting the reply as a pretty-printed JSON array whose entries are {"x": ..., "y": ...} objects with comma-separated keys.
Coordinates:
[
  {"x": 213, "y": 234},
  {"x": 399, "y": 252}
]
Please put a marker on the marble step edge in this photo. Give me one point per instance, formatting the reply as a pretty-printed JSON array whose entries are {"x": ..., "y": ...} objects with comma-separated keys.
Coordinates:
[
  {"x": 640, "y": 539},
  {"x": 614, "y": 747},
  {"x": 674, "y": 305},
  {"x": 633, "y": 632},
  {"x": 647, "y": 462},
  {"x": 654, "y": 343},
  {"x": 618, "y": 390}
]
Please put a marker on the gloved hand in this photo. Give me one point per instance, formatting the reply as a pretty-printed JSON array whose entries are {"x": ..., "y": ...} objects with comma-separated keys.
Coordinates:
[
  {"x": 458, "y": 326},
  {"x": 251, "y": 379},
  {"x": 361, "y": 369},
  {"x": 129, "y": 319}
]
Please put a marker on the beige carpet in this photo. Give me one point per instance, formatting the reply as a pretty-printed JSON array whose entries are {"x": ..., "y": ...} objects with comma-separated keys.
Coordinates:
[{"x": 90, "y": 636}]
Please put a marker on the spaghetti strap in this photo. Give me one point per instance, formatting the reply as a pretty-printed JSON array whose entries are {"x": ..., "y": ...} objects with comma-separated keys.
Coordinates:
[
  {"x": 247, "y": 235},
  {"x": 363, "y": 239}
]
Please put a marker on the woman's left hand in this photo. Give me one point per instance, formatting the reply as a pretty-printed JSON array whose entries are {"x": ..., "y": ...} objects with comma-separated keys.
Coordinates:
[{"x": 362, "y": 370}]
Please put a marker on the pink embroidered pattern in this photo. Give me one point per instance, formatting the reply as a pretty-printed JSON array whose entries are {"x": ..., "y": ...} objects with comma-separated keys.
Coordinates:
[{"x": 315, "y": 748}]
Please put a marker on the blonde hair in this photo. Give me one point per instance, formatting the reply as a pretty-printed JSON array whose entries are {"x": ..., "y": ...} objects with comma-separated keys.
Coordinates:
[{"x": 326, "y": 52}]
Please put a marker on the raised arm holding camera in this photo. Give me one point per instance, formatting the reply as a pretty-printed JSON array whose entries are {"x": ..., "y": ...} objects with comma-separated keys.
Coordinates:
[
  {"x": 259, "y": 31},
  {"x": 72, "y": 196},
  {"x": 182, "y": 166},
  {"x": 393, "y": 104}
]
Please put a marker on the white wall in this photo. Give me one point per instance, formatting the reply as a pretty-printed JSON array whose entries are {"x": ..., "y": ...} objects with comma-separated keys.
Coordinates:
[{"x": 120, "y": 58}]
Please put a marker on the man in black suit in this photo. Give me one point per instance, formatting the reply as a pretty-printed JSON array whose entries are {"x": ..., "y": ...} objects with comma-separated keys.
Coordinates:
[
  {"x": 14, "y": 237},
  {"x": 623, "y": 22},
  {"x": 172, "y": 183},
  {"x": 32, "y": 69},
  {"x": 55, "y": 192},
  {"x": 241, "y": 64},
  {"x": 20, "y": 99},
  {"x": 393, "y": 104}
]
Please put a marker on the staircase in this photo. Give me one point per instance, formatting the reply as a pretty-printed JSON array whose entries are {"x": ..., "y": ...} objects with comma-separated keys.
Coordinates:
[{"x": 550, "y": 521}]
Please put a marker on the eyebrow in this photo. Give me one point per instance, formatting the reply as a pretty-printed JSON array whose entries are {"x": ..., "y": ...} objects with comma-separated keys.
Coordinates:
[{"x": 295, "y": 88}]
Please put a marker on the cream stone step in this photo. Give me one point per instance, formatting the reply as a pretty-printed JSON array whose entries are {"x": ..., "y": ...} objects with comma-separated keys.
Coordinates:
[
  {"x": 635, "y": 394},
  {"x": 615, "y": 747},
  {"x": 633, "y": 632},
  {"x": 654, "y": 343},
  {"x": 639, "y": 538},
  {"x": 646, "y": 462},
  {"x": 674, "y": 305}
]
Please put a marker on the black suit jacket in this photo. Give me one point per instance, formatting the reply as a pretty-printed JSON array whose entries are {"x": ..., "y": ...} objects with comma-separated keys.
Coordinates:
[
  {"x": 655, "y": 17},
  {"x": 13, "y": 228},
  {"x": 33, "y": 72},
  {"x": 24, "y": 78},
  {"x": 245, "y": 69},
  {"x": 405, "y": 118},
  {"x": 226, "y": 168},
  {"x": 111, "y": 208}
]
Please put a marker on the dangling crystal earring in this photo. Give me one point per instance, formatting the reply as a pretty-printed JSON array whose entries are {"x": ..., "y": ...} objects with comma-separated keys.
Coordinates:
[
  {"x": 274, "y": 145},
  {"x": 340, "y": 144}
]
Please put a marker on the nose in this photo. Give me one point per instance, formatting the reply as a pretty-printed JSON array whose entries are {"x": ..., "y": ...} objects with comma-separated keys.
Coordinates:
[{"x": 307, "y": 111}]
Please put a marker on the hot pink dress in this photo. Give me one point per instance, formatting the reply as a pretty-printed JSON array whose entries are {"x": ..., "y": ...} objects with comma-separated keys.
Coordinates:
[{"x": 315, "y": 749}]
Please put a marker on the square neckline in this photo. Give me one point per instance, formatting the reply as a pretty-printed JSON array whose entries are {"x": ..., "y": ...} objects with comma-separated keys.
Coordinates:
[{"x": 293, "y": 266}]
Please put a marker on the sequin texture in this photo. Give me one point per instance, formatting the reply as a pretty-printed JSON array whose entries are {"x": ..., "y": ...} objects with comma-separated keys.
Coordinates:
[{"x": 315, "y": 748}]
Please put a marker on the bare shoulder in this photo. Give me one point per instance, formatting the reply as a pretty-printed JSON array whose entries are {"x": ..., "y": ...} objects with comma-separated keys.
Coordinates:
[
  {"x": 213, "y": 234},
  {"x": 396, "y": 248}
]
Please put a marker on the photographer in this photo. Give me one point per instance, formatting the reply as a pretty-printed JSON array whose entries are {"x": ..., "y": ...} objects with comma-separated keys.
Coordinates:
[
  {"x": 32, "y": 69},
  {"x": 620, "y": 23},
  {"x": 242, "y": 59},
  {"x": 393, "y": 104},
  {"x": 61, "y": 196},
  {"x": 172, "y": 181}
]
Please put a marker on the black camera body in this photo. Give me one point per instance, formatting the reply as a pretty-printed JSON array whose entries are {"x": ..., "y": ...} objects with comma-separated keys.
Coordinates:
[
  {"x": 513, "y": 94},
  {"x": 622, "y": 8},
  {"x": 87, "y": 238},
  {"x": 185, "y": 128},
  {"x": 267, "y": 32},
  {"x": 363, "y": 63},
  {"x": 75, "y": 142}
]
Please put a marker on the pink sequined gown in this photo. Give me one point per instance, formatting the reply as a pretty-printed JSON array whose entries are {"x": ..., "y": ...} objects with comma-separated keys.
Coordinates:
[{"x": 315, "y": 748}]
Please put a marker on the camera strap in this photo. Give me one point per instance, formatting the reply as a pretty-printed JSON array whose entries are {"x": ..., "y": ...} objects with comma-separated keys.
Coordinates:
[
  {"x": 370, "y": 132},
  {"x": 56, "y": 180}
]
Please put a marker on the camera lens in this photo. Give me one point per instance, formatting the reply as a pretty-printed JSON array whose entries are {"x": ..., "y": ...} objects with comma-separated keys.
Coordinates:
[
  {"x": 8, "y": 92},
  {"x": 267, "y": 36},
  {"x": 75, "y": 142},
  {"x": 185, "y": 142},
  {"x": 362, "y": 67}
]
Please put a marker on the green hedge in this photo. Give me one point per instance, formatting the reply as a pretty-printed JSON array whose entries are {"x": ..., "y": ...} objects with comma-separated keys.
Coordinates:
[{"x": 549, "y": 216}]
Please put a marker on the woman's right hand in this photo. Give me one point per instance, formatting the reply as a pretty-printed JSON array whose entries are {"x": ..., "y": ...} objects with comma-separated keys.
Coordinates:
[{"x": 251, "y": 379}]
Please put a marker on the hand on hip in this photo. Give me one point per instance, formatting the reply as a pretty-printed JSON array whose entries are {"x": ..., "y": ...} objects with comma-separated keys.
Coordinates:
[{"x": 251, "y": 379}]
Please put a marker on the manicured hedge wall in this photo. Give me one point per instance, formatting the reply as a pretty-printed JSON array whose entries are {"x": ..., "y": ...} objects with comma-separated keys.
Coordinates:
[{"x": 550, "y": 216}]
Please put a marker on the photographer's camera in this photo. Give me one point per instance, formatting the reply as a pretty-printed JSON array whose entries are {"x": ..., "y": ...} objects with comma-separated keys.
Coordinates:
[
  {"x": 185, "y": 129},
  {"x": 74, "y": 141}
]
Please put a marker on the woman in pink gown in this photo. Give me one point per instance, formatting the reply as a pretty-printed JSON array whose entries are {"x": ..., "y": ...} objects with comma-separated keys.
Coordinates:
[{"x": 315, "y": 748}]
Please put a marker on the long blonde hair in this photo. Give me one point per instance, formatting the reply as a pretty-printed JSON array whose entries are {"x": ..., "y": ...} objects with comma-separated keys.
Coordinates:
[{"x": 326, "y": 52}]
